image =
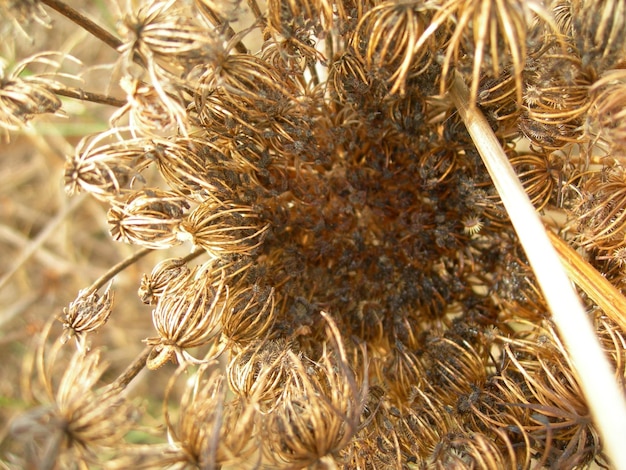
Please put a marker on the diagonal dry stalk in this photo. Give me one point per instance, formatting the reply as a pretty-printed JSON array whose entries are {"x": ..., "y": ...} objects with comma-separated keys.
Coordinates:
[{"x": 605, "y": 399}]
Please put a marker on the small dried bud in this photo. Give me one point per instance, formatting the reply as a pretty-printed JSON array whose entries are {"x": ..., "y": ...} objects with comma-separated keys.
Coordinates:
[
  {"x": 88, "y": 312},
  {"x": 148, "y": 218},
  {"x": 168, "y": 275},
  {"x": 105, "y": 164}
]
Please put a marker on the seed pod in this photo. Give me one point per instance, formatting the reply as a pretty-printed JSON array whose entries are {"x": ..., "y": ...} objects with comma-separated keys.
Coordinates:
[{"x": 149, "y": 218}]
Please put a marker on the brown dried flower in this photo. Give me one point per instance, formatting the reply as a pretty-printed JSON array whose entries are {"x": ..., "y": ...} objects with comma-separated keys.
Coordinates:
[
  {"x": 188, "y": 316},
  {"x": 87, "y": 313}
]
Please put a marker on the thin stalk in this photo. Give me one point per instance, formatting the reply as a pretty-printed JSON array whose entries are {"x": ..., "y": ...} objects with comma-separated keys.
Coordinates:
[
  {"x": 131, "y": 371},
  {"x": 596, "y": 286},
  {"x": 84, "y": 22},
  {"x": 119, "y": 267},
  {"x": 82, "y": 95},
  {"x": 604, "y": 398}
]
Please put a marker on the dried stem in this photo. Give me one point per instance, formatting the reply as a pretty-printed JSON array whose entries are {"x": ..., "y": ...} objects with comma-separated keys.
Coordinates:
[
  {"x": 82, "y": 95},
  {"x": 84, "y": 22},
  {"x": 605, "y": 400},
  {"x": 131, "y": 371},
  {"x": 119, "y": 267},
  {"x": 596, "y": 286}
]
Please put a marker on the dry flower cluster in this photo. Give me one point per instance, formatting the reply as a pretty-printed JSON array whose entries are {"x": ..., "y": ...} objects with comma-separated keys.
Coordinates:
[{"x": 352, "y": 294}]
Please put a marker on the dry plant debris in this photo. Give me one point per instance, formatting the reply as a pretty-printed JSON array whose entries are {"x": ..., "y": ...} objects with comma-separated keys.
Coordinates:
[{"x": 283, "y": 201}]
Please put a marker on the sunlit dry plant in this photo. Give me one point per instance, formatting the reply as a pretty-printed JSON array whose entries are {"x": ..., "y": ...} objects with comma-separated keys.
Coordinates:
[
  {"x": 86, "y": 314},
  {"x": 223, "y": 229},
  {"x": 149, "y": 218},
  {"x": 167, "y": 275},
  {"x": 309, "y": 154},
  {"x": 24, "y": 95},
  {"x": 321, "y": 409},
  {"x": 104, "y": 165},
  {"x": 77, "y": 419},
  {"x": 210, "y": 431},
  {"x": 188, "y": 317}
]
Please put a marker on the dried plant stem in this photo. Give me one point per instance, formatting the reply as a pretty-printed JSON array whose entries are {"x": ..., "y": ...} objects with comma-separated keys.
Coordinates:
[
  {"x": 131, "y": 371},
  {"x": 88, "y": 96},
  {"x": 119, "y": 267},
  {"x": 604, "y": 398},
  {"x": 84, "y": 22},
  {"x": 596, "y": 286}
]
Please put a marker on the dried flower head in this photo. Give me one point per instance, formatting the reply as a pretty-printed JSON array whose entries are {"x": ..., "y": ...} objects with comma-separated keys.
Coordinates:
[
  {"x": 149, "y": 218},
  {"x": 210, "y": 431},
  {"x": 87, "y": 313},
  {"x": 250, "y": 314},
  {"x": 188, "y": 317},
  {"x": 78, "y": 421},
  {"x": 321, "y": 410},
  {"x": 385, "y": 42},
  {"x": 23, "y": 95},
  {"x": 168, "y": 275},
  {"x": 258, "y": 373},
  {"x": 104, "y": 165},
  {"x": 223, "y": 229}
]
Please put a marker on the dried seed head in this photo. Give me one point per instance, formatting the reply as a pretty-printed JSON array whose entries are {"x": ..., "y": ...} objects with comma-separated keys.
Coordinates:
[
  {"x": 149, "y": 218},
  {"x": 188, "y": 317},
  {"x": 223, "y": 229},
  {"x": 321, "y": 410},
  {"x": 88, "y": 312},
  {"x": 165, "y": 31},
  {"x": 146, "y": 113},
  {"x": 258, "y": 373},
  {"x": 607, "y": 114},
  {"x": 211, "y": 432},
  {"x": 168, "y": 275},
  {"x": 105, "y": 164},
  {"x": 385, "y": 39},
  {"x": 23, "y": 97},
  {"x": 249, "y": 315},
  {"x": 82, "y": 421}
]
